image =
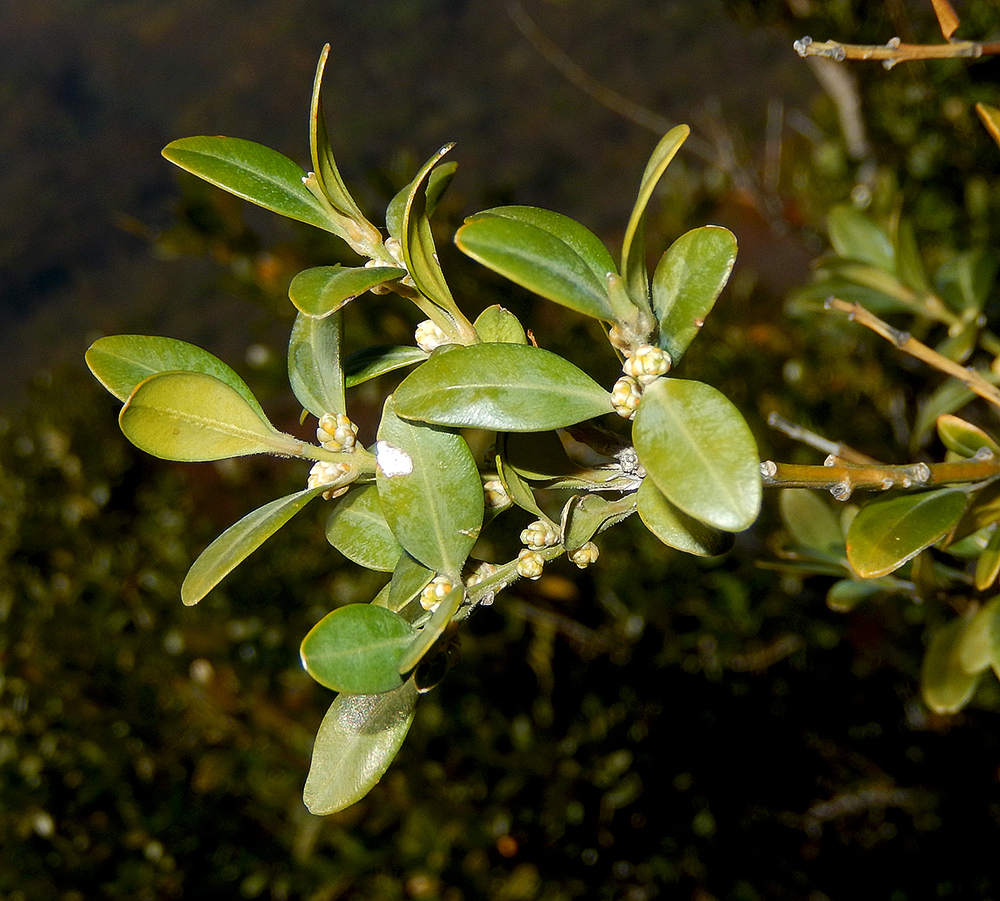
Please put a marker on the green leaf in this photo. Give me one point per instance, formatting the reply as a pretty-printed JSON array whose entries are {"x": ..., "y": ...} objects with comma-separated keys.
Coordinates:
[
  {"x": 811, "y": 523},
  {"x": 846, "y": 594},
  {"x": 356, "y": 742},
  {"x": 437, "y": 183},
  {"x": 584, "y": 516},
  {"x": 545, "y": 252},
  {"x": 409, "y": 578},
  {"x": 497, "y": 325},
  {"x": 687, "y": 281},
  {"x": 433, "y": 628},
  {"x": 963, "y": 437},
  {"x": 252, "y": 172},
  {"x": 945, "y": 685},
  {"x": 855, "y": 237},
  {"x": 949, "y": 396},
  {"x": 379, "y": 359},
  {"x": 238, "y": 542},
  {"x": 431, "y": 491},
  {"x": 980, "y": 641},
  {"x": 988, "y": 563},
  {"x": 966, "y": 281},
  {"x": 675, "y": 528},
  {"x": 909, "y": 265},
  {"x": 506, "y": 387},
  {"x": 634, "y": 244},
  {"x": 314, "y": 364},
  {"x": 357, "y": 528},
  {"x": 538, "y": 456},
  {"x": 517, "y": 488},
  {"x": 357, "y": 649},
  {"x": 323, "y": 290},
  {"x": 120, "y": 362},
  {"x": 191, "y": 416},
  {"x": 699, "y": 452},
  {"x": 889, "y": 531}
]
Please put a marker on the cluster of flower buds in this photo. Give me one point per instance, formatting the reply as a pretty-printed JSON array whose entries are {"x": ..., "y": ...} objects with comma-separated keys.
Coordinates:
[
  {"x": 430, "y": 336},
  {"x": 434, "y": 591},
  {"x": 495, "y": 494},
  {"x": 540, "y": 534},
  {"x": 530, "y": 564},
  {"x": 338, "y": 476},
  {"x": 337, "y": 433},
  {"x": 584, "y": 555},
  {"x": 642, "y": 367},
  {"x": 625, "y": 396}
]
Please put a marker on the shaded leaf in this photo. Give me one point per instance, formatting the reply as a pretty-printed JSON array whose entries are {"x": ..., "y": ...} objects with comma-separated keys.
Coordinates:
[
  {"x": 191, "y": 416},
  {"x": 965, "y": 281},
  {"x": 238, "y": 542},
  {"x": 357, "y": 649},
  {"x": 495, "y": 324},
  {"x": 981, "y": 638},
  {"x": 323, "y": 290},
  {"x": 846, "y": 594},
  {"x": 585, "y": 515},
  {"x": 687, "y": 281},
  {"x": 379, "y": 359},
  {"x": 909, "y": 263},
  {"x": 891, "y": 530},
  {"x": 518, "y": 489},
  {"x": 536, "y": 455},
  {"x": 991, "y": 119},
  {"x": 314, "y": 364},
  {"x": 505, "y": 387},
  {"x": 963, "y": 437},
  {"x": 855, "y": 237},
  {"x": 357, "y": 528},
  {"x": 811, "y": 523},
  {"x": 944, "y": 684},
  {"x": 988, "y": 563},
  {"x": 356, "y": 742},
  {"x": 675, "y": 528},
  {"x": 409, "y": 578},
  {"x": 699, "y": 452},
  {"x": 433, "y": 628},
  {"x": 437, "y": 183}
]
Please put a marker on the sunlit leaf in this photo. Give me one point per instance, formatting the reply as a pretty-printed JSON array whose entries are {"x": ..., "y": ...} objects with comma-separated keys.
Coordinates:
[
  {"x": 379, "y": 359},
  {"x": 357, "y": 528},
  {"x": 545, "y": 252},
  {"x": 687, "y": 281},
  {"x": 238, "y": 542},
  {"x": 431, "y": 493},
  {"x": 357, "y": 649},
  {"x": 675, "y": 528},
  {"x": 120, "y": 362},
  {"x": 433, "y": 629},
  {"x": 314, "y": 364},
  {"x": 963, "y": 437},
  {"x": 506, "y": 387},
  {"x": 356, "y": 742},
  {"x": 811, "y": 523},
  {"x": 855, "y": 237},
  {"x": 192, "y": 416},
  {"x": 699, "y": 452},
  {"x": 891, "y": 530},
  {"x": 323, "y": 290},
  {"x": 495, "y": 324},
  {"x": 437, "y": 183},
  {"x": 252, "y": 172},
  {"x": 945, "y": 685}
]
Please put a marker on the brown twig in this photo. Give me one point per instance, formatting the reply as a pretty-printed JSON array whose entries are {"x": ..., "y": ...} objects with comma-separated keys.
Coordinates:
[{"x": 895, "y": 51}]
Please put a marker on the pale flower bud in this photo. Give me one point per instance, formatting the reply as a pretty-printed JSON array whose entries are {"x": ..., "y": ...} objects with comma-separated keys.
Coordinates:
[
  {"x": 530, "y": 564},
  {"x": 647, "y": 364},
  {"x": 495, "y": 494},
  {"x": 337, "y": 433},
  {"x": 430, "y": 336},
  {"x": 539, "y": 534},
  {"x": 584, "y": 555},
  {"x": 434, "y": 591},
  {"x": 625, "y": 396},
  {"x": 337, "y": 475}
]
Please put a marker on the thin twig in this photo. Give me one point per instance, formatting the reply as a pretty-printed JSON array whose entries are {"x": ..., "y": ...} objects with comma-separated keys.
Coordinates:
[
  {"x": 832, "y": 448},
  {"x": 895, "y": 51}
]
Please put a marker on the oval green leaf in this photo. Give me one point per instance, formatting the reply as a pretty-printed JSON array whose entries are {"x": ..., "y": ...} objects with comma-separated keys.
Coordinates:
[
  {"x": 506, "y": 387},
  {"x": 963, "y": 437},
  {"x": 431, "y": 492},
  {"x": 889, "y": 531},
  {"x": 238, "y": 542},
  {"x": 191, "y": 416},
  {"x": 946, "y": 687},
  {"x": 497, "y": 325},
  {"x": 357, "y": 528},
  {"x": 688, "y": 280},
  {"x": 988, "y": 563},
  {"x": 357, "y": 649},
  {"x": 323, "y": 290},
  {"x": 252, "y": 172},
  {"x": 810, "y": 522},
  {"x": 855, "y": 237},
  {"x": 356, "y": 742},
  {"x": 584, "y": 516},
  {"x": 314, "y": 364},
  {"x": 379, "y": 359},
  {"x": 981, "y": 639},
  {"x": 675, "y": 528},
  {"x": 699, "y": 452}
]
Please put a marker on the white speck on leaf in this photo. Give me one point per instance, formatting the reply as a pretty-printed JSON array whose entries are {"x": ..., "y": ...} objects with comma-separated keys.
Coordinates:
[{"x": 392, "y": 461}]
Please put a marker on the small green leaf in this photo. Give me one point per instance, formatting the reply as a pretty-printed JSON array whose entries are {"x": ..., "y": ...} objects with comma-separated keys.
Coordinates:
[
  {"x": 357, "y": 528},
  {"x": 517, "y": 488},
  {"x": 314, "y": 364},
  {"x": 379, "y": 359},
  {"x": 988, "y": 563},
  {"x": 433, "y": 629},
  {"x": 846, "y": 594},
  {"x": 191, "y": 416},
  {"x": 497, "y": 325},
  {"x": 357, "y": 649},
  {"x": 889, "y": 531},
  {"x": 963, "y": 437},
  {"x": 634, "y": 244},
  {"x": 437, "y": 183},
  {"x": 675, "y": 528},
  {"x": 409, "y": 578},
  {"x": 981, "y": 638},
  {"x": 505, "y": 387},
  {"x": 120, "y": 362},
  {"x": 945, "y": 685},
  {"x": 855, "y": 237},
  {"x": 431, "y": 491},
  {"x": 238, "y": 542},
  {"x": 323, "y": 290},
  {"x": 699, "y": 452},
  {"x": 585, "y": 515},
  {"x": 356, "y": 742},
  {"x": 966, "y": 281},
  {"x": 545, "y": 252},
  {"x": 811, "y": 523},
  {"x": 252, "y": 172},
  {"x": 949, "y": 396},
  {"x": 687, "y": 282},
  {"x": 909, "y": 265}
]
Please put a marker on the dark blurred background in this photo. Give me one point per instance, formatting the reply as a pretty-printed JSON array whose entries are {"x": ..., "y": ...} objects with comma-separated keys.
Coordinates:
[{"x": 660, "y": 727}]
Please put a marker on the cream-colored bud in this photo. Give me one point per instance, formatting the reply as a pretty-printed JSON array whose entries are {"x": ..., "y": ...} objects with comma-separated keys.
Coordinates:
[
  {"x": 647, "y": 364},
  {"x": 530, "y": 564},
  {"x": 337, "y": 433},
  {"x": 337, "y": 475},
  {"x": 540, "y": 534},
  {"x": 625, "y": 396},
  {"x": 430, "y": 336},
  {"x": 584, "y": 555},
  {"x": 434, "y": 591},
  {"x": 495, "y": 494}
]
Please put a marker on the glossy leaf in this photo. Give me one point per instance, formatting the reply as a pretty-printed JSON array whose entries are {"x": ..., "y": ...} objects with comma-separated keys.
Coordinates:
[
  {"x": 314, "y": 364},
  {"x": 409, "y": 578},
  {"x": 506, "y": 387},
  {"x": 891, "y": 530},
  {"x": 357, "y": 649},
  {"x": 963, "y": 437},
  {"x": 433, "y": 629},
  {"x": 944, "y": 684},
  {"x": 252, "y": 172},
  {"x": 811, "y": 523},
  {"x": 634, "y": 244},
  {"x": 357, "y": 528},
  {"x": 545, "y": 252},
  {"x": 675, "y": 528},
  {"x": 432, "y": 494},
  {"x": 323, "y": 290},
  {"x": 120, "y": 362},
  {"x": 699, "y": 452},
  {"x": 497, "y": 325},
  {"x": 855, "y": 237},
  {"x": 238, "y": 542},
  {"x": 988, "y": 563},
  {"x": 356, "y": 742},
  {"x": 379, "y": 359},
  {"x": 191, "y": 416},
  {"x": 687, "y": 281},
  {"x": 437, "y": 183}
]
